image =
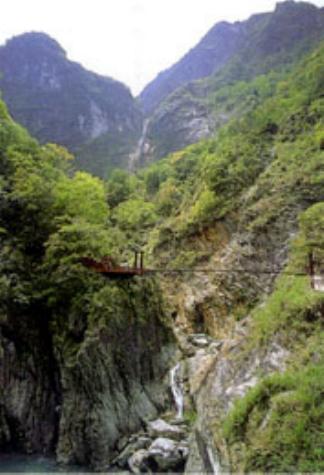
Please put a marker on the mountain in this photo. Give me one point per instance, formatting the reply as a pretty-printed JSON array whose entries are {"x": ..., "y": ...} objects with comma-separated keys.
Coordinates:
[
  {"x": 59, "y": 101},
  {"x": 181, "y": 111},
  {"x": 212, "y": 52},
  {"x": 97, "y": 118},
  {"x": 226, "y": 319}
]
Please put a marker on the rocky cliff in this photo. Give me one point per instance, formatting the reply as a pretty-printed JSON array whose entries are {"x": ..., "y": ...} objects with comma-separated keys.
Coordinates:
[
  {"x": 237, "y": 218},
  {"x": 59, "y": 101},
  {"x": 79, "y": 395},
  {"x": 84, "y": 361},
  {"x": 205, "y": 59},
  {"x": 182, "y": 102}
]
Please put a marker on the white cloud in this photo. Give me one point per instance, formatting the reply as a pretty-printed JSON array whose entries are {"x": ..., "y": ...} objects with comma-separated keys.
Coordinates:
[{"x": 130, "y": 40}]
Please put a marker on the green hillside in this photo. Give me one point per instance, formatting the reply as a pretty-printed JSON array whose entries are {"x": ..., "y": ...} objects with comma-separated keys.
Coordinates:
[
  {"x": 265, "y": 43},
  {"x": 255, "y": 194}
]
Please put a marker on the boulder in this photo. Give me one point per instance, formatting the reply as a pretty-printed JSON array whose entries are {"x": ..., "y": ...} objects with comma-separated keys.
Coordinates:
[
  {"x": 200, "y": 340},
  {"x": 134, "y": 446},
  {"x": 160, "y": 428},
  {"x": 137, "y": 462},
  {"x": 166, "y": 454}
]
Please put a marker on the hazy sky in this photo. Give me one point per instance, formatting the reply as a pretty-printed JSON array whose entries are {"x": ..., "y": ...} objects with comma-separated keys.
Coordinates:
[{"x": 129, "y": 40}]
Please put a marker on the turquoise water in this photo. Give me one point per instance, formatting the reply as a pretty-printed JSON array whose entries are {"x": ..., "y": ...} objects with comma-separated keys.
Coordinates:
[{"x": 13, "y": 463}]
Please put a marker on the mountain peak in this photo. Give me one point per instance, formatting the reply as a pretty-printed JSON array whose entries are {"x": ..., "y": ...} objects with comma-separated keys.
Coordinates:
[
  {"x": 59, "y": 101},
  {"x": 289, "y": 5},
  {"x": 37, "y": 42}
]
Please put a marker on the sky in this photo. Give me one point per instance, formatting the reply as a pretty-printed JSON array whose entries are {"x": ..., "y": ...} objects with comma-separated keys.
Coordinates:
[{"x": 129, "y": 40}]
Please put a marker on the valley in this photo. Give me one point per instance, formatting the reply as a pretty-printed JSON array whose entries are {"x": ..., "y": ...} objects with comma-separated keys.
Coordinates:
[{"x": 213, "y": 362}]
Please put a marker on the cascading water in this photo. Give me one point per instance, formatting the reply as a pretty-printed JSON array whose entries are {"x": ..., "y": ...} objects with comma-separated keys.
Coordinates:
[
  {"x": 214, "y": 461},
  {"x": 177, "y": 390}
]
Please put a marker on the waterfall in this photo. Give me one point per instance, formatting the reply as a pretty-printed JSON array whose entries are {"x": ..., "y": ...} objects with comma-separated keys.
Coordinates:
[
  {"x": 176, "y": 388},
  {"x": 214, "y": 461},
  {"x": 137, "y": 154}
]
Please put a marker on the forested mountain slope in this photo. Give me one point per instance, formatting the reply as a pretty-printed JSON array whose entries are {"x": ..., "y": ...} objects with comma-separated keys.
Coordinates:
[
  {"x": 102, "y": 124},
  {"x": 182, "y": 111},
  {"x": 67, "y": 385},
  {"x": 60, "y": 101},
  {"x": 250, "y": 199}
]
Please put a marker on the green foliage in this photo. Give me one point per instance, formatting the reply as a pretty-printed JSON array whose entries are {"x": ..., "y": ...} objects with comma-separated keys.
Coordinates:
[
  {"x": 281, "y": 421},
  {"x": 312, "y": 227},
  {"x": 134, "y": 214},
  {"x": 49, "y": 219},
  {"x": 66, "y": 278},
  {"x": 168, "y": 198},
  {"x": 190, "y": 416},
  {"x": 293, "y": 305},
  {"x": 202, "y": 210},
  {"x": 278, "y": 425},
  {"x": 119, "y": 187},
  {"x": 155, "y": 176},
  {"x": 83, "y": 197}
]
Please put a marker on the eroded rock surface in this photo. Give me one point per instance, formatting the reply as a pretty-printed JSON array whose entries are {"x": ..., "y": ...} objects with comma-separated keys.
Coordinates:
[
  {"x": 81, "y": 393},
  {"x": 227, "y": 377}
]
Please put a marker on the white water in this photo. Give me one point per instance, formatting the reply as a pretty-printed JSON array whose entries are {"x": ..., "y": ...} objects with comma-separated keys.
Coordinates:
[
  {"x": 137, "y": 154},
  {"x": 177, "y": 391},
  {"x": 213, "y": 461}
]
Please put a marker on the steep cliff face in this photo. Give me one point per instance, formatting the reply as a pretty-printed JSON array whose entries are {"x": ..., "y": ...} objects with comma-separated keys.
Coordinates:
[
  {"x": 80, "y": 394},
  {"x": 30, "y": 388},
  {"x": 116, "y": 378},
  {"x": 84, "y": 360},
  {"x": 249, "y": 209},
  {"x": 59, "y": 101},
  {"x": 211, "y": 53},
  {"x": 182, "y": 102}
]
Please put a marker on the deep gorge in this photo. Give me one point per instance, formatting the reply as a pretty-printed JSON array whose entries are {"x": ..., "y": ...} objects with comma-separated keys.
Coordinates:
[{"x": 212, "y": 359}]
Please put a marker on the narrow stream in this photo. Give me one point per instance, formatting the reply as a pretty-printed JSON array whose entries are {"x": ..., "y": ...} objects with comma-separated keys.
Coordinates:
[{"x": 177, "y": 390}]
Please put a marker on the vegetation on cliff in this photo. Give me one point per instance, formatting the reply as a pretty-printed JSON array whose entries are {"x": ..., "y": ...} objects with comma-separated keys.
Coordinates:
[
  {"x": 183, "y": 107},
  {"x": 262, "y": 177},
  {"x": 278, "y": 425},
  {"x": 65, "y": 332},
  {"x": 260, "y": 180},
  {"x": 59, "y": 101}
]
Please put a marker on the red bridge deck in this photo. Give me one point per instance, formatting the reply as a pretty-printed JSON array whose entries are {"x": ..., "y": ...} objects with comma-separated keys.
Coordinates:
[{"x": 109, "y": 268}]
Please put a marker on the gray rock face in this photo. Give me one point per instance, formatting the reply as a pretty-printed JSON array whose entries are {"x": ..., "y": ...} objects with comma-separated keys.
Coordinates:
[
  {"x": 125, "y": 457},
  {"x": 83, "y": 401},
  {"x": 167, "y": 454},
  {"x": 160, "y": 428},
  {"x": 154, "y": 452},
  {"x": 29, "y": 396},
  {"x": 212, "y": 52},
  {"x": 107, "y": 393},
  {"x": 180, "y": 101},
  {"x": 163, "y": 455},
  {"x": 137, "y": 462},
  {"x": 180, "y": 121},
  {"x": 59, "y": 101},
  {"x": 226, "y": 378},
  {"x": 200, "y": 340}
]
